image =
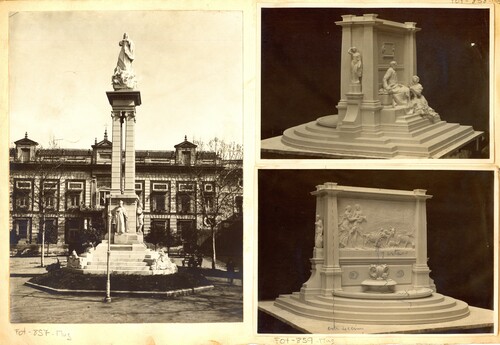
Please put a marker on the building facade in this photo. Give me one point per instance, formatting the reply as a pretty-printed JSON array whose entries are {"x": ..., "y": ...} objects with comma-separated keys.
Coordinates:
[{"x": 185, "y": 191}]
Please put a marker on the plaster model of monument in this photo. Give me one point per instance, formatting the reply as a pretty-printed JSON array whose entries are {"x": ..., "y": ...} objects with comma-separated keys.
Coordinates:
[
  {"x": 369, "y": 263},
  {"x": 128, "y": 253},
  {"x": 382, "y": 112}
]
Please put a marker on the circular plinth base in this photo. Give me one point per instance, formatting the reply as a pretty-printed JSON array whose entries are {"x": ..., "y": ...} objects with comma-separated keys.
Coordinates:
[
  {"x": 379, "y": 311},
  {"x": 328, "y": 121},
  {"x": 396, "y": 295},
  {"x": 379, "y": 286}
]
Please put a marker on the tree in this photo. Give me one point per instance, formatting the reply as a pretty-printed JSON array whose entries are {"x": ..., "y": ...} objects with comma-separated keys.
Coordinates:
[
  {"x": 219, "y": 185},
  {"x": 51, "y": 236},
  {"x": 157, "y": 236},
  {"x": 43, "y": 173}
]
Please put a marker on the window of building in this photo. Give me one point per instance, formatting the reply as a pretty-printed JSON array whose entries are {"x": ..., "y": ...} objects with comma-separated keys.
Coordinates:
[
  {"x": 103, "y": 195},
  {"x": 25, "y": 155},
  {"x": 238, "y": 204},
  {"x": 208, "y": 197},
  {"x": 208, "y": 202},
  {"x": 74, "y": 194},
  {"x": 159, "y": 197},
  {"x": 185, "y": 202},
  {"x": 208, "y": 187},
  {"x": 139, "y": 191},
  {"x": 23, "y": 192},
  {"x": 22, "y": 228},
  {"x": 186, "y": 228},
  {"x": 186, "y": 157},
  {"x": 160, "y": 224},
  {"x": 158, "y": 202},
  {"x": 50, "y": 194},
  {"x": 72, "y": 229},
  {"x": 186, "y": 197},
  {"x": 50, "y": 231}
]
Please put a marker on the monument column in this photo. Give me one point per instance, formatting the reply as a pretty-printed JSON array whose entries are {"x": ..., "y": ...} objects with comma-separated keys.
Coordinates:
[
  {"x": 345, "y": 68},
  {"x": 420, "y": 269},
  {"x": 330, "y": 273},
  {"x": 124, "y": 100},
  {"x": 130, "y": 153},
  {"x": 116, "y": 136},
  {"x": 371, "y": 106},
  {"x": 411, "y": 50}
]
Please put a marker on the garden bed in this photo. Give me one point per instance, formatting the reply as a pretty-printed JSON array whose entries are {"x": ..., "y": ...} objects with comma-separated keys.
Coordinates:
[{"x": 63, "y": 279}]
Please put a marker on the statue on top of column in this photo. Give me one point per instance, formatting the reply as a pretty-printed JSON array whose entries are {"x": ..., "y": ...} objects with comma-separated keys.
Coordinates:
[{"x": 123, "y": 76}]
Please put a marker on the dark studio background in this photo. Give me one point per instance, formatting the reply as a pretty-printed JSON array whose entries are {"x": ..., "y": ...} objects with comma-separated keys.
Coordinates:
[
  {"x": 459, "y": 226},
  {"x": 300, "y": 63}
]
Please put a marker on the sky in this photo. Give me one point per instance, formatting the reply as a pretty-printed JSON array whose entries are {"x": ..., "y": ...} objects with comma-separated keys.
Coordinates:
[{"x": 188, "y": 65}]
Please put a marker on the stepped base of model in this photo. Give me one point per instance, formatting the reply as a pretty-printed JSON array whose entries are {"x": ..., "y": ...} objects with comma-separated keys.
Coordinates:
[
  {"x": 132, "y": 258},
  {"x": 406, "y": 136},
  {"x": 421, "y": 310}
]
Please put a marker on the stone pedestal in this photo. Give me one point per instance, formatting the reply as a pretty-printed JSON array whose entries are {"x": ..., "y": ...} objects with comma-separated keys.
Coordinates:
[
  {"x": 374, "y": 251},
  {"x": 367, "y": 124},
  {"x": 124, "y": 103}
]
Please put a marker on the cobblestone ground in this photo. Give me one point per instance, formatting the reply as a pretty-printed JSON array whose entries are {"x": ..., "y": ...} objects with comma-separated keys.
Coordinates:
[{"x": 224, "y": 303}]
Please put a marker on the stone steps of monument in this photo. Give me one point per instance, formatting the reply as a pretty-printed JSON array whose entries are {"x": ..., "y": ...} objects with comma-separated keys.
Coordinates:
[
  {"x": 119, "y": 267},
  {"x": 114, "y": 271},
  {"x": 367, "y": 141},
  {"x": 448, "y": 129},
  {"x": 103, "y": 261},
  {"x": 330, "y": 145},
  {"x": 432, "y": 141},
  {"x": 432, "y": 299},
  {"x": 119, "y": 258},
  {"x": 122, "y": 254},
  {"x": 408, "y": 315},
  {"x": 449, "y": 139},
  {"x": 405, "y": 131},
  {"x": 363, "y": 305},
  {"x": 457, "y": 141},
  {"x": 442, "y": 138}
]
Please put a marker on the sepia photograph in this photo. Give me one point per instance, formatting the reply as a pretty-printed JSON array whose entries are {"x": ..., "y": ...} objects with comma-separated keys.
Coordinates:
[
  {"x": 376, "y": 251},
  {"x": 126, "y": 166},
  {"x": 375, "y": 82},
  {"x": 237, "y": 172}
]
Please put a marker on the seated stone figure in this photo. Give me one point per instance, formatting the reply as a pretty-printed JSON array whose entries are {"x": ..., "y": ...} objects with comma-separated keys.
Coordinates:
[
  {"x": 400, "y": 93},
  {"x": 418, "y": 104}
]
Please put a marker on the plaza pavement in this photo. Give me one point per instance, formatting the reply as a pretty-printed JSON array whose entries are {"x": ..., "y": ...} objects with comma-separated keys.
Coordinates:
[{"x": 224, "y": 303}]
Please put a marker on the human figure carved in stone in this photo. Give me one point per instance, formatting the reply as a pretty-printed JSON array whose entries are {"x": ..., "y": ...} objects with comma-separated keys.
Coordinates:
[
  {"x": 418, "y": 104},
  {"x": 356, "y": 65},
  {"x": 318, "y": 239},
  {"x": 350, "y": 229},
  {"x": 400, "y": 93},
  {"x": 123, "y": 76},
  {"x": 140, "y": 217},
  {"x": 345, "y": 226},
  {"x": 379, "y": 238},
  {"x": 121, "y": 218},
  {"x": 356, "y": 233}
]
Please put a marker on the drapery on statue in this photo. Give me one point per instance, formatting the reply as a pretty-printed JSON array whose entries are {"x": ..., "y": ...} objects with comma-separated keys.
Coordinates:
[
  {"x": 356, "y": 65},
  {"x": 140, "y": 217},
  {"x": 418, "y": 104},
  {"x": 123, "y": 76},
  {"x": 399, "y": 92},
  {"x": 318, "y": 239},
  {"x": 120, "y": 218}
]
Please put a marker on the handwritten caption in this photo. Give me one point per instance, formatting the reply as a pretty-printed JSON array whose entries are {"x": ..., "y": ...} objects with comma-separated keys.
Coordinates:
[
  {"x": 479, "y": 2},
  {"x": 303, "y": 340},
  {"x": 43, "y": 332},
  {"x": 291, "y": 340}
]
